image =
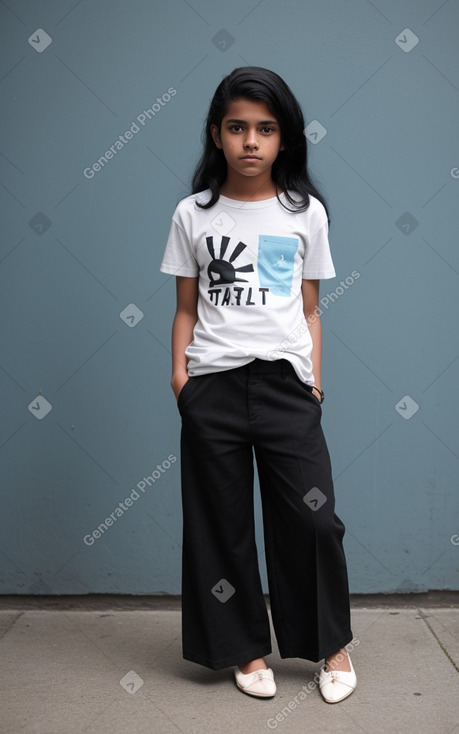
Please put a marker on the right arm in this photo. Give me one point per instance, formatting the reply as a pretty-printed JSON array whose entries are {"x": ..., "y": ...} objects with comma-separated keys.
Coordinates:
[{"x": 186, "y": 316}]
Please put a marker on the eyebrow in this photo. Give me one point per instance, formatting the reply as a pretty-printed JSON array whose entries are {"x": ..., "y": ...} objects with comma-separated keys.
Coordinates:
[{"x": 262, "y": 122}]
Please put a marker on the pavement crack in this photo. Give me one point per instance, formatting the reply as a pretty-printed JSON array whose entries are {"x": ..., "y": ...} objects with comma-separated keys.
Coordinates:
[
  {"x": 5, "y": 628},
  {"x": 440, "y": 643}
]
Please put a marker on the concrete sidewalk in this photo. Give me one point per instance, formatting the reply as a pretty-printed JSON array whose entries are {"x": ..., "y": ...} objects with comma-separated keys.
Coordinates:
[{"x": 69, "y": 667}]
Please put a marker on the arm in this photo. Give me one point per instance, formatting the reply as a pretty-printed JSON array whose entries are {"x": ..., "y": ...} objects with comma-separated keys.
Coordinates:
[
  {"x": 310, "y": 291},
  {"x": 186, "y": 316}
]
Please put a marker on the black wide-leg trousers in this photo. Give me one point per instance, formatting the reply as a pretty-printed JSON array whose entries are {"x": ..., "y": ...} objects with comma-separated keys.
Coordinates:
[{"x": 264, "y": 408}]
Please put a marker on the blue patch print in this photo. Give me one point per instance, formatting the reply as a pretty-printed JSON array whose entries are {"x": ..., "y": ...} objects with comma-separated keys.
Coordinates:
[{"x": 276, "y": 257}]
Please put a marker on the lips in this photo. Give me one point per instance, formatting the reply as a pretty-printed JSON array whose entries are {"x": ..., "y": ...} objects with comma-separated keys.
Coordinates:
[{"x": 250, "y": 158}]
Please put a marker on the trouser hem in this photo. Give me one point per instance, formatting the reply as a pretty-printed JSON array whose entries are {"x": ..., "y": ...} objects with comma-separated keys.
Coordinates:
[
  {"x": 314, "y": 655},
  {"x": 227, "y": 662}
]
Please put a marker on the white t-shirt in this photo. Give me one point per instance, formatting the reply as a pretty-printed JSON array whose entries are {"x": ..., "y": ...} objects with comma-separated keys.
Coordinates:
[{"x": 250, "y": 257}]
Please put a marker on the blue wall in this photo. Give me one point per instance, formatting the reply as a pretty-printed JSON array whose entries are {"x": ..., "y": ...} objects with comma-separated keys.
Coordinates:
[{"x": 87, "y": 315}]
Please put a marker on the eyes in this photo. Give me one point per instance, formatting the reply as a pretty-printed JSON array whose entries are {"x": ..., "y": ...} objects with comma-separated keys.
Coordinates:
[{"x": 265, "y": 129}]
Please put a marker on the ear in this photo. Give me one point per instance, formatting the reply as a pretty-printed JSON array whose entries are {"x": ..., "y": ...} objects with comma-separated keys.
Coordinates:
[{"x": 215, "y": 132}]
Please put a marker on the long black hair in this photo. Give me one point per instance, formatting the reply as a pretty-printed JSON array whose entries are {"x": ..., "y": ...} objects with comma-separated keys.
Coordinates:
[{"x": 290, "y": 169}]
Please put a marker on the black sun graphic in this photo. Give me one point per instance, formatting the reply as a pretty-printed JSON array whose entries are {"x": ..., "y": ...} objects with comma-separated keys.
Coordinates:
[{"x": 221, "y": 271}]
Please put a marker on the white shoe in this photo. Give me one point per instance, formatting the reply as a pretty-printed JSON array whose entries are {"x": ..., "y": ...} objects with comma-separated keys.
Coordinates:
[
  {"x": 337, "y": 685},
  {"x": 258, "y": 683}
]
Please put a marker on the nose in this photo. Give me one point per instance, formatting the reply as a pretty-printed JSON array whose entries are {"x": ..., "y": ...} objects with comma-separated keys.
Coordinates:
[{"x": 251, "y": 141}]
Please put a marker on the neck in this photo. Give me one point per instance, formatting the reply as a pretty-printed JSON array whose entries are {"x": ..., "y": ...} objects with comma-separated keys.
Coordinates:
[{"x": 247, "y": 188}]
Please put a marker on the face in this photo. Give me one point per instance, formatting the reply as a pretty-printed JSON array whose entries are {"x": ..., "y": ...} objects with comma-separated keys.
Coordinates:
[{"x": 250, "y": 137}]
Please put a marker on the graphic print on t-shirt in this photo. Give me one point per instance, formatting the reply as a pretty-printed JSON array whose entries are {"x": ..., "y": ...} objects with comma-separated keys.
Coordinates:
[
  {"x": 223, "y": 269},
  {"x": 274, "y": 267},
  {"x": 275, "y": 263}
]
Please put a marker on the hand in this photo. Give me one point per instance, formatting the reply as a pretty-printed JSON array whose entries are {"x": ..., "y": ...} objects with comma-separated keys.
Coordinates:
[
  {"x": 318, "y": 394},
  {"x": 177, "y": 382}
]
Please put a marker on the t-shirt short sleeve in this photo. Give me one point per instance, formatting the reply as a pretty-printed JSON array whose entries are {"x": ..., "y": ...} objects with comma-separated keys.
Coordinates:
[
  {"x": 318, "y": 261},
  {"x": 179, "y": 257}
]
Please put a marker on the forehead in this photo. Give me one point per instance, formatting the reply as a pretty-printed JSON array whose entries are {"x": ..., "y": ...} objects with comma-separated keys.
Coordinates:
[{"x": 249, "y": 109}]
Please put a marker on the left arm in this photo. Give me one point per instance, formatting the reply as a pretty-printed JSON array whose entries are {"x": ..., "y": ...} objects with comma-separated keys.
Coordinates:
[{"x": 310, "y": 291}]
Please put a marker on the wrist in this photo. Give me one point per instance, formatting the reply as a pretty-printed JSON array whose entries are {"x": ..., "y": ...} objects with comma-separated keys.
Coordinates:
[
  {"x": 179, "y": 375},
  {"x": 179, "y": 369},
  {"x": 178, "y": 380}
]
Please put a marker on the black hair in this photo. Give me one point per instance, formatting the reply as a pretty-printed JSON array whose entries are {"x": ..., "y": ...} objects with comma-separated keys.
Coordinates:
[{"x": 290, "y": 169}]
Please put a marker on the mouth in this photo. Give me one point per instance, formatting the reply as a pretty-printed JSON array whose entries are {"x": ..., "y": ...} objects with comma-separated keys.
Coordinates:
[{"x": 250, "y": 158}]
